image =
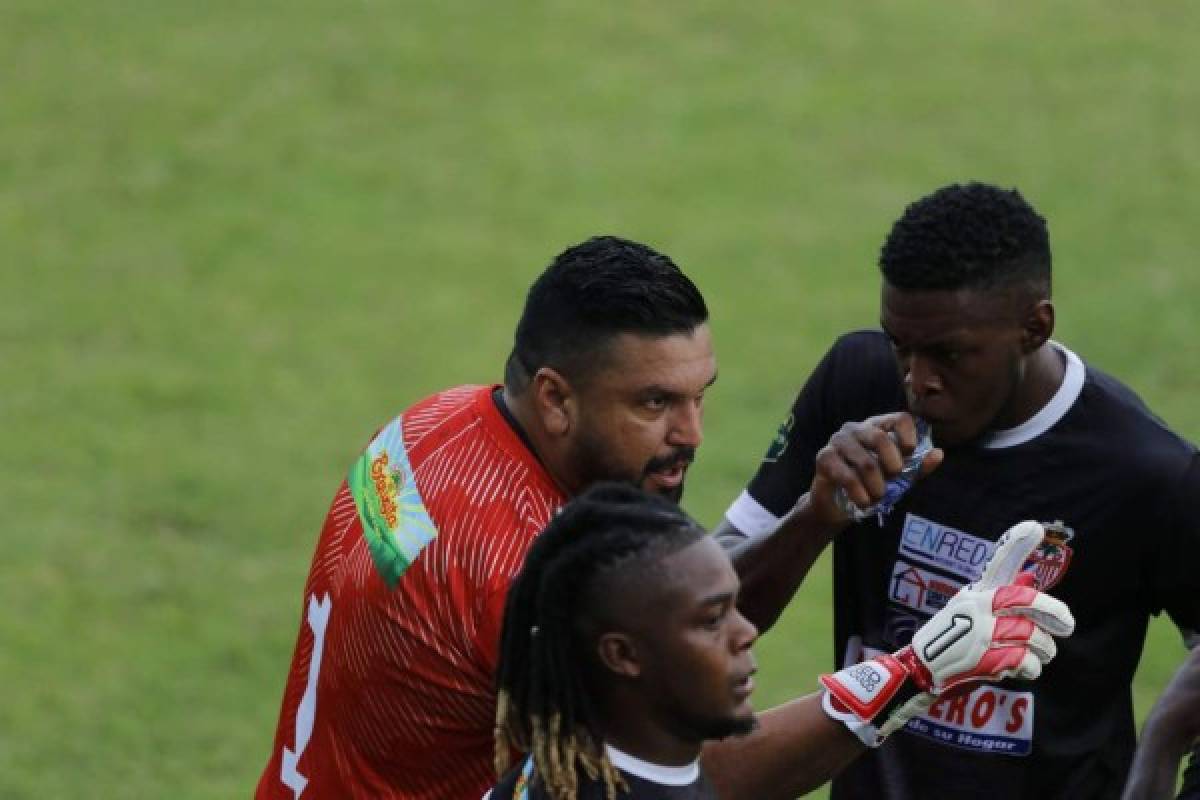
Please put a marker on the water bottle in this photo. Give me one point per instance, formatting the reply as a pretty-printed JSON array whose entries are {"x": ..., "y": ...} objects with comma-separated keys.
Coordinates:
[{"x": 896, "y": 486}]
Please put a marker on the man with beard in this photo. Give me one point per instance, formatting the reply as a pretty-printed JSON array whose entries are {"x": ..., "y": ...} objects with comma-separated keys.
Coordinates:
[
  {"x": 390, "y": 693},
  {"x": 1022, "y": 429},
  {"x": 623, "y": 652}
]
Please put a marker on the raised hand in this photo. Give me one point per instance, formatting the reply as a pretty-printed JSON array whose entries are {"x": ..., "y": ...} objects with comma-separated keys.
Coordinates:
[{"x": 860, "y": 459}]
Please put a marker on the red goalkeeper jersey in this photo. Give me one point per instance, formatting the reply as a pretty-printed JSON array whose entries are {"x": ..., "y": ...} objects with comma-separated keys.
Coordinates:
[{"x": 390, "y": 693}]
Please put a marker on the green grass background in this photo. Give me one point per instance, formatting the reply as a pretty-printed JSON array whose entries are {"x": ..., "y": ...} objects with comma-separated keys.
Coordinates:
[{"x": 237, "y": 237}]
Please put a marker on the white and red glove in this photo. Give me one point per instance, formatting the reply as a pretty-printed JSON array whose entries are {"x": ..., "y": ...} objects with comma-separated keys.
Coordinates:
[{"x": 998, "y": 627}]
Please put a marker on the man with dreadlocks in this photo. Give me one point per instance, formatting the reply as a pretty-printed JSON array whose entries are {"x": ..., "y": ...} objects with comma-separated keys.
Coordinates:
[{"x": 623, "y": 652}]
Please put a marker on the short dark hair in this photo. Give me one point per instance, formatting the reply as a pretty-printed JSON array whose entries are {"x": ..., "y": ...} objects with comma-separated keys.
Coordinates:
[
  {"x": 973, "y": 236},
  {"x": 592, "y": 292},
  {"x": 553, "y": 608}
]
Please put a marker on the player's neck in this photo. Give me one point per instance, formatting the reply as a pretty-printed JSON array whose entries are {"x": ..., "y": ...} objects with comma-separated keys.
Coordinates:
[
  {"x": 642, "y": 738},
  {"x": 1044, "y": 373},
  {"x": 528, "y": 427}
]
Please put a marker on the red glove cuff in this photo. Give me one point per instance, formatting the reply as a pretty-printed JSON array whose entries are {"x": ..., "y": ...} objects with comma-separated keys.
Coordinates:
[{"x": 872, "y": 687}]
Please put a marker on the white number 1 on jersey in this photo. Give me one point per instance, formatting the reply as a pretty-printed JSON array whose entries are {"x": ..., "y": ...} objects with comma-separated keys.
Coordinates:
[{"x": 318, "y": 616}]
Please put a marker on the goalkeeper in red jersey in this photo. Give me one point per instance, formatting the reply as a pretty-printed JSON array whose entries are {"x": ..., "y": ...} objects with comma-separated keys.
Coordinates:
[{"x": 390, "y": 691}]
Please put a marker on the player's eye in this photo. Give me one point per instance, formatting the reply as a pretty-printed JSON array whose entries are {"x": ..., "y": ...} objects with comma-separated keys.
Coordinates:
[
  {"x": 655, "y": 402},
  {"x": 713, "y": 619}
]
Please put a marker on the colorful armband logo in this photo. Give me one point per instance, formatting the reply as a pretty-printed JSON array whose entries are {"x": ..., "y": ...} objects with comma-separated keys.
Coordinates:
[{"x": 393, "y": 516}]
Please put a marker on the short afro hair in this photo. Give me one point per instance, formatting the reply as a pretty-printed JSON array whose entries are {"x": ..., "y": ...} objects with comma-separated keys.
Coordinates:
[{"x": 972, "y": 236}]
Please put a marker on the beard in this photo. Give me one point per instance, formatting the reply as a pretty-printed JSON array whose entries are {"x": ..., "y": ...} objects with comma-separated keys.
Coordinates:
[
  {"x": 695, "y": 728},
  {"x": 595, "y": 462}
]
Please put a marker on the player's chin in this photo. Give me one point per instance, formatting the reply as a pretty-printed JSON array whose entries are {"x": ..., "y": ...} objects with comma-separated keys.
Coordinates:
[{"x": 742, "y": 723}]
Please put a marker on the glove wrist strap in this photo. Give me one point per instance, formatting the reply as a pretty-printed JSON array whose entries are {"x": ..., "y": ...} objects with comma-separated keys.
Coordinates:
[{"x": 863, "y": 695}]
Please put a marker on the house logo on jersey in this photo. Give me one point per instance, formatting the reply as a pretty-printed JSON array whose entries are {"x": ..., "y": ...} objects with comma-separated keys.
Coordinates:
[
  {"x": 394, "y": 521},
  {"x": 780, "y": 442},
  {"x": 919, "y": 589},
  {"x": 1050, "y": 560}
]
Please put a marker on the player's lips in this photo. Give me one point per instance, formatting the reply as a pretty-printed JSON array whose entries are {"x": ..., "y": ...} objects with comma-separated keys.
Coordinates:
[
  {"x": 671, "y": 476},
  {"x": 743, "y": 686},
  {"x": 668, "y": 470},
  {"x": 935, "y": 422}
]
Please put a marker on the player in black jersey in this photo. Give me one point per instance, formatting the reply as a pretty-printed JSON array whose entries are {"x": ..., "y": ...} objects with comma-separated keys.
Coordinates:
[
  {"x": 1023, "y": 429},
  {"x": 623, "y": 652}
]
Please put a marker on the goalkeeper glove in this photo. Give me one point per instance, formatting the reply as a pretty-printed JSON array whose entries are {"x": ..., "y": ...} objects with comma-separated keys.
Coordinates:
[{"x": 998, "y": 627}]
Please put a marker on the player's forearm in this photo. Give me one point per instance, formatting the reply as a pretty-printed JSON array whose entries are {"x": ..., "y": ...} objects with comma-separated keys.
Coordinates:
[
  {"x": 795, "y": 749},
  {"x": 771, "y": 568},
  {"x": 1156, "y": 766},
  {"x": 1171, "y": 729}
]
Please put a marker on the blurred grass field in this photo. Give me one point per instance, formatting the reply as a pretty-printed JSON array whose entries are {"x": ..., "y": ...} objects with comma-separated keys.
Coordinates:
[{"x": 235, "y": 238}]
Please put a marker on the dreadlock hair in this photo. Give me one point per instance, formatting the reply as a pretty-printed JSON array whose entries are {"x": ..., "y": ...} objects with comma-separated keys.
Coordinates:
[
  {"x": 546, "y": 705},
  {"x": 590, "y": 293},
  {"x": 975, "y": 236}
]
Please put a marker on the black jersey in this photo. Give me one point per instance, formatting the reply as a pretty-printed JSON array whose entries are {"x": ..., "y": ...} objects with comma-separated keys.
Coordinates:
[
  {"x": 645, "y": 781},
  {"x": 1120, "y": 496}
]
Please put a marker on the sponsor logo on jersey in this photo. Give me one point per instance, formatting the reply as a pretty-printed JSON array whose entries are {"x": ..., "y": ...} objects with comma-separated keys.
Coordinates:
[
  {"x": 780, "y": 443},
  {"x": 920, "y": 589},
  {"x": 956, "y": 551},
  {"x": 965, "y": 554},
  {"x": 385, "y": 480},
  {"x": 986, "y": 719},
  {"x": 1050, "y": 560},
  {"x": 394, "y": 521}
]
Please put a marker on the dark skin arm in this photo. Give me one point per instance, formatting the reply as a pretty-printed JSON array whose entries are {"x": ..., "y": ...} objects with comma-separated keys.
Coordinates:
[
  {"x": 859, "y": 458},
  {"x": 1172, "y": 727},
  {"x": 772, "y": 567},
  {"x": 795, "y": 749}
]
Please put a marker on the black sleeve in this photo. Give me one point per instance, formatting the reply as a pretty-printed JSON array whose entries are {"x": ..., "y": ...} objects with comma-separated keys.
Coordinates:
[
  {"x": 1176, "y": 580},
  {"x": 856, "y": 379}
]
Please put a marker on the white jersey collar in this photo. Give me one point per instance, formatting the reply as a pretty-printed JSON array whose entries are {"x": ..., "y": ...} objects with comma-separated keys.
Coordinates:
[
  {"x": 655, "y": 773},
  {"x": 1051, "y": 413}
]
